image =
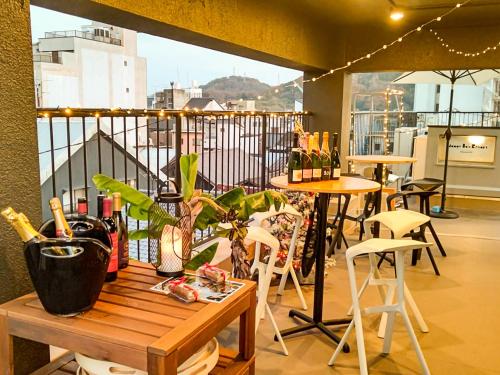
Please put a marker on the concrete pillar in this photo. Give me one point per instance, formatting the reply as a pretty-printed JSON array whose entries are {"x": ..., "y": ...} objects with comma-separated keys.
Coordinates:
[
  {"x": 20, "y": 182},
  {"x": 329, "y": 100}
]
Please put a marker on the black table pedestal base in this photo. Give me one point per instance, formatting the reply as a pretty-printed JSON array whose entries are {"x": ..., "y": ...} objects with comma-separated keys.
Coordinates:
[{"x": 310, "y": 324}]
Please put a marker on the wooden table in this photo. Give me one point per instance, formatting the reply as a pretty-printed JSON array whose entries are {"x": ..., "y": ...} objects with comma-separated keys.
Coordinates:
[
  {"x": 380, "y": 160},
  {"x": 346, "y": 186},
  {"x": 135, "y": 326}
]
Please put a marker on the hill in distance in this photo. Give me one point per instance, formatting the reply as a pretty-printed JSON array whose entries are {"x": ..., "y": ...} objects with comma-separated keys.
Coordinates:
[
  {"x": 282, "y": 97},
  {"x": 238, "y": 87}
]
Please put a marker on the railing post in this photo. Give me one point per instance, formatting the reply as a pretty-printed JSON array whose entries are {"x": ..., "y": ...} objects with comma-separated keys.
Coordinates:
[
  {"x": 178, "y": 152},
  {"x": 482, "y": 119},
  {"x": 263, "y": 153}
]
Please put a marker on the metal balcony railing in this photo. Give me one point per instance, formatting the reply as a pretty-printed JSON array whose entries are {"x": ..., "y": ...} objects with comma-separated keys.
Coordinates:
[
  {"x": 367, "y": 128},
  {"x": 142, "y": 148},
  {"x": 84, "y": 35}
]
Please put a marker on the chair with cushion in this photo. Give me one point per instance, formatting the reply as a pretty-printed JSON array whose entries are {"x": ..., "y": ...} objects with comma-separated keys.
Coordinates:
[{"x": 396, "y": 288}]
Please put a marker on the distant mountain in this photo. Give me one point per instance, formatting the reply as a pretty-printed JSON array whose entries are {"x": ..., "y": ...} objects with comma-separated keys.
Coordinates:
[{"x": 238, "y": 87}]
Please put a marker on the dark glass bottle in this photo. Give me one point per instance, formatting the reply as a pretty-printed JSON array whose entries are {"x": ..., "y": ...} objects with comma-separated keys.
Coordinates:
[
  {"x": 335, "y": 158},
  {"x": 107, "y": 218},
  {"x": 295, "y": 162},
  {"x": 122, "y": 231},
  {"x": 326, "y": 160},
  {"x": 306, "y": 159},
  {"x": 315, "y": 158}
]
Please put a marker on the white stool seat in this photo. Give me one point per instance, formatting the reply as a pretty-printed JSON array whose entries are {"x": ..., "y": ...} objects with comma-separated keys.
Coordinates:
[
  {"x": 396, "y": 288},
  {"x": 400, "y": 222}
]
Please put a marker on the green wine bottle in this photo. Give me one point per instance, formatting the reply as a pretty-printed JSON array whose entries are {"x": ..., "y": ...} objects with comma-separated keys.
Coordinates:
[
  {"x": 326, "y": 160},
  {"x": 335, "y": 158},
  {"x": 315, "y": 158},
  {"x": 295, "y": 162},
  {"x": 307, "y": 170}
]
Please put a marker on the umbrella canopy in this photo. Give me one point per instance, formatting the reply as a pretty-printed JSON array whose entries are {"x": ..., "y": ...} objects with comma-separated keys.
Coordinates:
[{"x": 461, "y": 77}]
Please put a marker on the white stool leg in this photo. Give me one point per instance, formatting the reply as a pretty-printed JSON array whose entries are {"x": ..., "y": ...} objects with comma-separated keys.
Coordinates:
[
  {"x": 276, "y": 329},
  {"x": 401, "y": 300},
  {"x": 414, "y": 308},
  {"x": 389, "y": 329},
  {"x": 341, "y": 344},
  {"x": 284, "y": 277},
  {"x": 298, "y": 288},
  {"x": 389, "y": 298},
  {"x": 360, "y": 293},
  {"x": 415, "y": 343}
]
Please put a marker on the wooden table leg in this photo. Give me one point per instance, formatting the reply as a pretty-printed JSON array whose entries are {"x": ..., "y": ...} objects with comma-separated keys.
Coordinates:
[
  {"x": 160, "y": 365},
  {"x": 6, "y": 347},
  {"x": 247, "y": 331}
]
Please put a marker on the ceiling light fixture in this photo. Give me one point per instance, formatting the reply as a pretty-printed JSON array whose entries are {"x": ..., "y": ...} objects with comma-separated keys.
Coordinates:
[{"x": 396, "y": 14}]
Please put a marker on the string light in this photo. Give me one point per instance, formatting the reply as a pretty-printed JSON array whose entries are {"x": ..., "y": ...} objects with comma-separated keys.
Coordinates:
[
  {"x": 446, "y": 45},
  {"x": 385, "y": 46}
]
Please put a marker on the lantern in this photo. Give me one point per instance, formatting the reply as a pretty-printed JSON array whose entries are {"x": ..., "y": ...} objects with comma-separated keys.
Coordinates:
[{"x": 166, "y": 237}]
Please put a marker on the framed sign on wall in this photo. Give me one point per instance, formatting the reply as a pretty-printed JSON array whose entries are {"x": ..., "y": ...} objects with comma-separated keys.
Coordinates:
[{"x": 468, "y": 149}]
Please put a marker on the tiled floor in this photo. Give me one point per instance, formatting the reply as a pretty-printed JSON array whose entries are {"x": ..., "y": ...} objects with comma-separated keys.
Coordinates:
[{"x": 461, "y": 308}]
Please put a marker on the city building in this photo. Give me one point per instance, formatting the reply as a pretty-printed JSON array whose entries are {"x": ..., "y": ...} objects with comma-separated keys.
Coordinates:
[
  {"x": 96, "y": 67},
  {"x": 175, "y": 97}
]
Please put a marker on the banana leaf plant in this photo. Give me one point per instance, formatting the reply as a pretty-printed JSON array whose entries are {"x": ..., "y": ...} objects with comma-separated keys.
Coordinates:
[{"x": 228, "y": 214}]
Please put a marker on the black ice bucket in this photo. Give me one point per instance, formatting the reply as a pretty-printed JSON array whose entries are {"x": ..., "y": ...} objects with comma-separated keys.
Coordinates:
[{"x": 68, "y": 274}]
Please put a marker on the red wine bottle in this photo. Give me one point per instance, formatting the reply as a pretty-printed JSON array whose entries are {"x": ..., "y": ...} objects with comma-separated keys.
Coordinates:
[
  {"x": 122, "y": 231},
  {"x": 113, "y": 234}
]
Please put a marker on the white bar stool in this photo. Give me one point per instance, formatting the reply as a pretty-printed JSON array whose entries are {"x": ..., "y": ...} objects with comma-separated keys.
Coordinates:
[
  {"x": 287, "y": 269},
  {"x": 262, "y": 236},
  {"x": 371, "y": 247}
]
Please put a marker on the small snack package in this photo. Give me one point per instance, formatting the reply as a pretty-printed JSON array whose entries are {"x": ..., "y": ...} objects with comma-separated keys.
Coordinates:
[
  {"x": 212, "y": 273},
  {"x": 181, "y": 290}
]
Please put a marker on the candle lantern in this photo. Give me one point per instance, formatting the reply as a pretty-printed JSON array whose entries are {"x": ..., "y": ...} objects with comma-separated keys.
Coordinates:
[{"x": 166, "y": 217}]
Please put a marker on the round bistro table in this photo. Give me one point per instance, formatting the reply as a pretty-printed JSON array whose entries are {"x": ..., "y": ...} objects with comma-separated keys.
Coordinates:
[
  {"x": 380, "y": 160},
  {"x": 346, "y": 186}
]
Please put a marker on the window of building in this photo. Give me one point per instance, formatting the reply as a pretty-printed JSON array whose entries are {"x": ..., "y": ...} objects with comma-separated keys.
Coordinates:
[
  {"x": 127, "y": 90},
  {"x": 125, "y": 63}
]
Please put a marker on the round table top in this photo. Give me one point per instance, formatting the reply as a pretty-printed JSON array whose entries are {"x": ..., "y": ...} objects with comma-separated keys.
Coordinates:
[
  {"x": 344, "y": 185},
  {"x": 386, "y": 159}
]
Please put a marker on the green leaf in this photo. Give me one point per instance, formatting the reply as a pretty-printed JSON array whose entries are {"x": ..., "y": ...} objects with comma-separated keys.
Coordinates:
[
  {"x": 139, "y": 202},
  {"x": 203, "y": 257},
  {"x": 189, "y": 171},
  {"x": 209, "y": 215},
  {"x": 139, "y": 234},
  {"x": 259, "y": 202}
]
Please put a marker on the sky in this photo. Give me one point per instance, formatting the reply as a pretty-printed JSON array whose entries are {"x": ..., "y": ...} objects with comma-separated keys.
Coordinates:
[{"x": 169, "y": 60}]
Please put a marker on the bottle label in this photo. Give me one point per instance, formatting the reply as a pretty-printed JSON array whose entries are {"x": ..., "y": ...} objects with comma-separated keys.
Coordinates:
[
  {"x": 336, "y": 172},
  {"x": 297, "y": 175},
  {"x": 326, "y": 173},
  {"x": 307, "y": 174},
  {"x": 317, "y": 173},
  {"x": 113, "y": 262}
]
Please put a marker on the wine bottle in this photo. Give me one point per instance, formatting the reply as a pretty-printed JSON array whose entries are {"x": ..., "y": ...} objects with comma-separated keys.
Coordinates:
[
  {"x": 295, "y": 162},
  {"x": 122, "y": 231},
  {"x": 62, "y": 227},
  {"x": 326, "y": 160},
  {"x": 315, "y": 158},
  {"x": 22, "y": 225},
  {"x": 100, "y": 200},
  {"x": 306, "y": 159},
  {"x": 113, "y": 234},
  {"x": 335, "y": 158},
  {"x": 80, "y": 222}
]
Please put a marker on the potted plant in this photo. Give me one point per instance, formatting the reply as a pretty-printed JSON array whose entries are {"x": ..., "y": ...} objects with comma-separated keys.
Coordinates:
[{"x": 228, "y": 214}]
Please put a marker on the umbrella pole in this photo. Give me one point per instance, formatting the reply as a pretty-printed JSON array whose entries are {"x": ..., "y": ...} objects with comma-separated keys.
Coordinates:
[{"x": 443, "y": 214}]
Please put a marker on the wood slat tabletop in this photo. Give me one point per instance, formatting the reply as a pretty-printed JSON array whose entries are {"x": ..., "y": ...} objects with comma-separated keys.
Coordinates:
[{"x": 129, "y": 321}]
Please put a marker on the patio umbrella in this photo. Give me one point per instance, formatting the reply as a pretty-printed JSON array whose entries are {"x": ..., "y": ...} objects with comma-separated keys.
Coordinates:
[{"x": 462, "y": 77}]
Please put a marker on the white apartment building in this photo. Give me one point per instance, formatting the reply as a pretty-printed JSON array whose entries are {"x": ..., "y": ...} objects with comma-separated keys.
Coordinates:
[
  {"x": 96, "y": 67},
  {"x": 466, "y": 98}
]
